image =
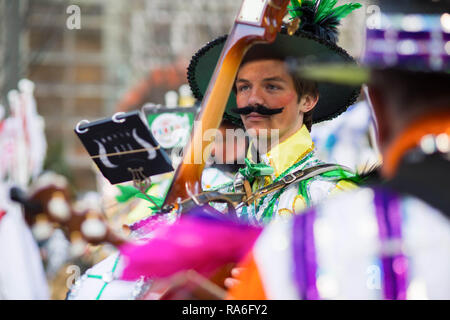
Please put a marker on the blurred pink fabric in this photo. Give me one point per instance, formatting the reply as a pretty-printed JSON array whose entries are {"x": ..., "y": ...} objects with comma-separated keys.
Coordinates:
[{"x": 194, "y": 242}]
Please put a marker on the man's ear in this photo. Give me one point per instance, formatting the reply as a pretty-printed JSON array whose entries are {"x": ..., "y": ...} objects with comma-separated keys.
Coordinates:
[{"x": 308, "y": 102}]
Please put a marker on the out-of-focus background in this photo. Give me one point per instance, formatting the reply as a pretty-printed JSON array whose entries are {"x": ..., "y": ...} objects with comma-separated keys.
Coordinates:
[{"x": 88, "y": 59}]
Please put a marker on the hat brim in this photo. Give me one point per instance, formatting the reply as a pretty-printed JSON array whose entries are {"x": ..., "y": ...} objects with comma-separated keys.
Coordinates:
[
  {"x": 350, "y": 74},
  {"x": 334, "y": 98},
  {"x": 345, "y": 74}
]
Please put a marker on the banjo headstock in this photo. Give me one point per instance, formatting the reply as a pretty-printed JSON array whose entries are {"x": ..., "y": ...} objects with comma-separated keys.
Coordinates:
[{"x": 267, "y": 14}]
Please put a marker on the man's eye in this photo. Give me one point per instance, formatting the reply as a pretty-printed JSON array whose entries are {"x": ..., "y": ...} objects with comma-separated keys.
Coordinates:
[
  {"x": 243, "y": 88},
  {"x": 272, "y": 87}
]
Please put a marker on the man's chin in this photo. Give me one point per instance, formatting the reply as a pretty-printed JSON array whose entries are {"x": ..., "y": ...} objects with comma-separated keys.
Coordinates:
[{"x": 261, "y": 131}]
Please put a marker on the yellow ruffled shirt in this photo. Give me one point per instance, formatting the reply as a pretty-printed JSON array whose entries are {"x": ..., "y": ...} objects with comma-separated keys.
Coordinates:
[
  {"x": 295, "y": 153},
  {"x": 286, "y": 154}
]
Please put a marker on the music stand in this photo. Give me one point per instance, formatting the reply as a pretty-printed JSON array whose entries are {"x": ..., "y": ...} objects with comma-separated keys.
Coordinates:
[{"x": 124, "y": 149}]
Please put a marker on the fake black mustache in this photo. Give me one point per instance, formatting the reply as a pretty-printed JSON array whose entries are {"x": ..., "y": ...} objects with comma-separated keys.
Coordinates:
[{"x": 258, "y": 109}]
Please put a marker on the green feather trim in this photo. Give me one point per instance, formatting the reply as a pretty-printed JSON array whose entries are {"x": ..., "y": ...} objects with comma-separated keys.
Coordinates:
[
  {"x": 344, "y": 10},
  {"x": 358, "y": 178},
  {"x": 127, "y": 192},
  {"x": 294, "y": 9},
  {"x": 159, "y": 201},
  {"x": 323, "y": 10}
]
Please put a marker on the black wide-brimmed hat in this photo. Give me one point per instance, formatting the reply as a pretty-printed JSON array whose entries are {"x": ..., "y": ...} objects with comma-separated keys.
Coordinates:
[
  {"x": 314, "y": 41},
  {"x": 411, "y": 36}
]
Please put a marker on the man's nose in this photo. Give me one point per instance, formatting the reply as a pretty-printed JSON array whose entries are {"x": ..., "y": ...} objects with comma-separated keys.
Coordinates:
[{"x": 256, "y": 97}]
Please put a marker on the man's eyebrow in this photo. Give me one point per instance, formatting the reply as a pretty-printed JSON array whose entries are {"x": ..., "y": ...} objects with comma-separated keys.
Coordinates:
[{"x": 279, "y": 79}]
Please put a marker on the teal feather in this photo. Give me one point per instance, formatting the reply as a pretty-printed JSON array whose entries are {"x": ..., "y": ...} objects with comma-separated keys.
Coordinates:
[
  {"x": 320, "y": 18},
  {"x": 344, "y": 10},
  {"x": 295, "y": 9},
  {"x": 157, "y": 200},
  {"x": 324, "y": 9},
  {"x": 126, "y": 193},
  {"x": 130, "y": 192}
]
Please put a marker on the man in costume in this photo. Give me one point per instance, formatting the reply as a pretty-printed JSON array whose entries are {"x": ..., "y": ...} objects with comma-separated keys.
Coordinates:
[
  {"x": 23, "y": 145},
  {"x": 277, "y": 109},
  {"x": 391, "y": 240}
]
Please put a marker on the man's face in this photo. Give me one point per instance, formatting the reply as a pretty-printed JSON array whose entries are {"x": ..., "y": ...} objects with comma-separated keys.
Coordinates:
[{"x": 268, "y": 83}]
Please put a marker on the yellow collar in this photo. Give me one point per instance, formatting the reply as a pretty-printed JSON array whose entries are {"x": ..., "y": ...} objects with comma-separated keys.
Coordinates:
[{"x": 287, "y": 153}]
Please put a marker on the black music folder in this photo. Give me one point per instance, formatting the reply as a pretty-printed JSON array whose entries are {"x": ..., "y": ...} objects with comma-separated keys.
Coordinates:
[{"x": 123, "y": 147}]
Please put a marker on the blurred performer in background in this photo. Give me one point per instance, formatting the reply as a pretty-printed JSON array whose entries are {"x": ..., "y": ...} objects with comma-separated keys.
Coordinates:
[
  {"x": 23, "y": 149},
  {"x": 277, "y": 109},
  {"x": 350, "y": 139},
  {"x": 391, "y": 240}
]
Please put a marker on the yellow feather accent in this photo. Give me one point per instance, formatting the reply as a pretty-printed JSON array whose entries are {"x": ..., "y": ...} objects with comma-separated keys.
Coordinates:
[
  {"x": 284, "y": 212},
  {"x": 343, "y": 185},
  {"x": 299, "y": 204}
]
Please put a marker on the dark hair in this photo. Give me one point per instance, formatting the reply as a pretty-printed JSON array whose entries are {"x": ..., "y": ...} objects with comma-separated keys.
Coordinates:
[
  {"x": 412, "y": 90},
  {"x": 302, "y": 86}
]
